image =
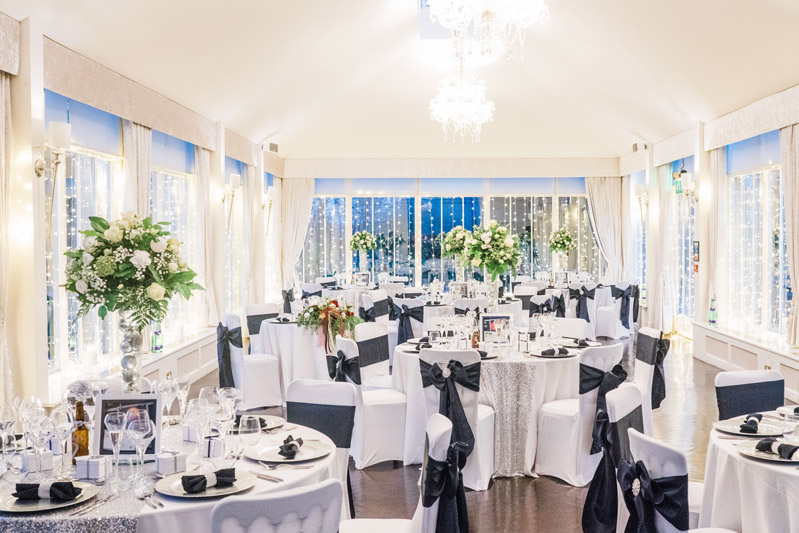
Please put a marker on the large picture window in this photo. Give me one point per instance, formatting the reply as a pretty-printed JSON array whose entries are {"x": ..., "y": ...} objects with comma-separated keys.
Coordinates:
[
  {"x": 324, "y": 252},
  {"x": 573, "y": 216},
  {"x": 530, "y": 218},
  {"x": 683, "y": 215},
  {"x": 439, "y": 215},
  {"x": 391, "y": 221}
]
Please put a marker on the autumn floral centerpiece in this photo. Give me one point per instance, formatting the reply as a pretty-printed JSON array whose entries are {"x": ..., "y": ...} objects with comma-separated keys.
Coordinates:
[{"x": 329, "y": 318}]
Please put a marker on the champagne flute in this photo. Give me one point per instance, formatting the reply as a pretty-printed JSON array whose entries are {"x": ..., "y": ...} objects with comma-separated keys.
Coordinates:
[
  {"x": 8, "y": 418},
  {"x": 168, "y": 392},
  {"x": 114, "y": 425},
  {"x": 141, "y": 432},
  {"x": 183, "y": 385},
  {"x": 63, "y": 424}
]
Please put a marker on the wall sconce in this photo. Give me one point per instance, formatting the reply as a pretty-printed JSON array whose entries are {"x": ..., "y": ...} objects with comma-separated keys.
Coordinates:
[
  {"x": 233, "y": 184},
  {"x": 59, "y": 139}
]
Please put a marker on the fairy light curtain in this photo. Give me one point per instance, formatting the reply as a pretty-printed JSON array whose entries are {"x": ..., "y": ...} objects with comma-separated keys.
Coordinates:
[
  {"x": 529, "y": 217},
  {"x": 789, "y": 143},
  {"x": 324, "y": 253},
  {"x": 758, "y": 280},
  {"x": 234, "y": 236},
  {"x": 202, "y": 169},
  {"x": 682, "y": 220},
  {"x": 88, "y": 180},
  {"x": 391, "y": 221}
]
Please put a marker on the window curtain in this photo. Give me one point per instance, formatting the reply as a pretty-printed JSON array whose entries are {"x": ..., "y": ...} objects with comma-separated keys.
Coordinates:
[
  {"x": 296, "y": 203},
  {"x": 716, "y": 233},
  {"x": 6, "y": 364},
  {"x": 202, "y": 166},
  {"x": 136, "y": 145},
  {"x": 273, "y": 263},
  {"x": 789, "y": 146},
  {"x": 253, "y": 199},
  {"x": 627, "y": 234},
  {"x": 665, "y": 273},
  {"x": 604, "y": 203}
]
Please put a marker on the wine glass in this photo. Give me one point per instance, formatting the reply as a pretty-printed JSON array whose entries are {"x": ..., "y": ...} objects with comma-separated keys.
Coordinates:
[
  {"x": 133, "y": 414},
  {"x": 183, "y": 384},
  {"x": 114, "y": 425},
  {"x": 250, "y": 430},
  {"x": 141, "y": 432},
  {"x": 63, "y": 424},
  {"x": 210, "y": 395},
  {"x": 230, "y": 399},
  {"x": 8, "y": 417},
  {"x": 168, "y": 391},
  {"x": 45, "y": 431}
]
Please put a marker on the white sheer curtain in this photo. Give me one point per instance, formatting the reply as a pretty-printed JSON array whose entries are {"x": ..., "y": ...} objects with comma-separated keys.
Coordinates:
[
  {"x": 604, "y": 202},
  {"x": 627, "y": 234},
  {"x": 6, "y": 365},
  {"x": 274, "y": 227},
  {"x": 202, "y": 168},
  {"x": 296, "y": 203},
  {"x": 789, "y": 145},
  {"x": 665, "y": 274},
  {"x": 253, "y": 199},
  {"x": 137, "y": 142},
  {"x": 716, "y": 232}
]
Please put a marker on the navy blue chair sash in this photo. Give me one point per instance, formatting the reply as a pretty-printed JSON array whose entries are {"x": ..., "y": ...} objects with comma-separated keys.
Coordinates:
[
  {"x": 371, "y": 351},
  {"x": 444, "y": 379},
  {"x": 254, "y": 322},
  {"x": 443, "y": 482},
  {"x": 405, "y": 314},
  {"x": 737, "y": 400},
  {"x": 224, "y": 338},
  {"x": 306, "y": 295},
  {"x": 288, "y": 297},
  {"x": 328, "y": 284},
  {"x": 525, "y": 298},
  {"x": 340, "y": 368},
  {"x": 636, "y": 302},
  {"x": 625, "y": 295},
  {"x": 542, "y": 308},
  {"x": 559, "y": 306},
  {"x": 582, "y": 296},
  {"x": 667, "y": 496},
  {"x": 593, "y": 378}
]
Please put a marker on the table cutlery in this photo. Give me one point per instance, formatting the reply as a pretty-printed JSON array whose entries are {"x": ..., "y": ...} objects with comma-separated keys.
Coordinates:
[
  {"x": 95, "y": 504},
  {"x": 275, "y": 466},
  {"x": 140, "y": 494},
  {"x": 266, "y": 477}
]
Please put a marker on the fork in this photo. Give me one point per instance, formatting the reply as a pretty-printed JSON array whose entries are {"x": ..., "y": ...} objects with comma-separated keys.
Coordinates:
[
  {"x": 149, "y": 496},
  {"x": 142, "y": 495},
  {"x": 275, "y": 466},
  {"x": 94, "y": 505}
]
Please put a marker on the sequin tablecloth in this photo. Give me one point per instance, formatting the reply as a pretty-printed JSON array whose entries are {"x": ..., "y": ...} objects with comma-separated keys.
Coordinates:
[
  {"x": 126, "y": 514},
  {"x": 515, "y": 385}
]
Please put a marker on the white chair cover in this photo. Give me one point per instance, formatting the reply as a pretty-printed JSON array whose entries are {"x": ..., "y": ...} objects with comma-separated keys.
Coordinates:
[
  {"x": 256, "y": 375},
  {"x": 412, "y": 303},
  {"x": 565, "y": 426},
  {"x": 328, "y": 407},
  {"x": 376, "y": 304},
  {"x": 256, "y": 314},
  {"x": 608, "y": 317},
  {"x": 576, "y": 328},
  {"x": 624, "y": 412},
  {"x": 392, "y": 288},
  {"x": 311, "y": 289}
]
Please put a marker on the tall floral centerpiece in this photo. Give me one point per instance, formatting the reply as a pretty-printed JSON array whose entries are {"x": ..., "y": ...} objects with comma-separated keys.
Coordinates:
[
  {"x": 561, "y": 243},
  {"x": 133, "y": 266},
  {"x": 496, "y": 250},
  {"x": 329, "y": 318},
  {"x": 362, "y": 241},
  {"x": 456, "y": 245}
]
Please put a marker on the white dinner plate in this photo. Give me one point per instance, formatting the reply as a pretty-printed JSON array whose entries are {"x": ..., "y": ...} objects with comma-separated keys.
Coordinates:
[
  {"x": 10, "y": 504},
  {"x": 173, "y": 486},
  {"x": 733, "y": 426},
  {"x": 787, "y": 410},
  {"x": 414, "y": 340},
  {"x": 268, "y": 452},
  {"x": 272, "y": 422},
  {"x": 747, "y": 448},
  {"x": 555, "y": 356}
]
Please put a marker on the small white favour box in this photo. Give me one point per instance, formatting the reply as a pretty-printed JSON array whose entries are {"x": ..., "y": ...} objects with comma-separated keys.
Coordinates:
[
  {"x": 30, "y": 461},
  {"x": 189, "y": 434},
  {"x": 168, "y": 463},
  {"x": 212, "y": 447},
  {"x": 92, "y": 467}
]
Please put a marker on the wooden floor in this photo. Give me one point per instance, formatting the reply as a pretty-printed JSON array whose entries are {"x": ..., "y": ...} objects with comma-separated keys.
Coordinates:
[{"x": 389, "y": 490}]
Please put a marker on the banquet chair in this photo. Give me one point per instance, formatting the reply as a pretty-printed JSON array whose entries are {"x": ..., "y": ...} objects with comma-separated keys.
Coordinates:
[
  {"x": 575, "y": 328},
  {"x": 480, "y": 463},
  {"x": 439, "y": 433},
  {"x": 537, "y": 301},
  {"x": 664, "y": 461},
  {"x": 310, "y": 509},
  {"x": 392, "y": 288},
  {"x": 565, "y": 426},
  {"x": 610, "y": 318},
  {"x": 524, "y": 293},
  {"x": 311, "y": 289},
  {"x": 374, "y": 348},
  {"x": 416, "y": 323},
  {"x": 412, "y": 292},
  {"x": 326, "y": 281},
  {"x": 379, "y": 432},
  {"x": 376, "y": 306},
  {"x": 591, "y": 303},
  {"x": 606, "y": 280},
  {"x": 255, "y": 314},
  {"x": 256, "y": 375},
  {"x": 399, "y": 279},
  {"x": 647, "y": 348},
  {"x": 740, "y": 392},
  {"x": 625, "y": 411},
  {"x": 327, "y": 407}
]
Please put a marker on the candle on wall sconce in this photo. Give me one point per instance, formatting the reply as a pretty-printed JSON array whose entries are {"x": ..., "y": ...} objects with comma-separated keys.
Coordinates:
[{"x": 59, "y": 139}]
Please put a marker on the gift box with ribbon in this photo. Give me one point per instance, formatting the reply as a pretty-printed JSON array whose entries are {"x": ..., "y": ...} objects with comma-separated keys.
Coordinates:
[
  {"x": 30, "y": 461},
  {"x": 94, "y": 467},
  {"x": 212, "y": 447},
  {"x": 189, "y": 434},
  {"x": 168, "y": 463}
]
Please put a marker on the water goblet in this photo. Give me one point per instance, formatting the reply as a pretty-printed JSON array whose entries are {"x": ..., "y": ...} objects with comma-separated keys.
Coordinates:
[
  {"x": 63, "y": 424},
  {"x": 141, "y": 432},
  {"x": 210, "y": 395},
  {"x": 230, "y": 398},
  {"x": 183, "y": 384},
  {"x": 168, "y": 391},
  {"x": 250, "y": 430},
  {"x": 115, "y": 425}
]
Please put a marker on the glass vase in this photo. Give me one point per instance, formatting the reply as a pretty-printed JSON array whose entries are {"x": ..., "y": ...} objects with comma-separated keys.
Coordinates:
[
  {"x": 460, "y": 273},
  {"x": 130, "y": 343}
]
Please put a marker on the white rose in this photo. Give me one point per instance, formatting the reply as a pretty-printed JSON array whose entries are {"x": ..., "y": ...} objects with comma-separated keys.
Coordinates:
[
  {"x": 87, "y": 258},
  {"x": 156, "y": 292},
  {"x": 81, "y": 286},
  {"x": 158, "y": 246},
  {"x": 141, "y": 259},
  {"x": 89, "y": 243},
  {"x": 173, "y": 267},
  {"x": 485, "y": 246},
  {"x": 476, "y": 261},
  {"x": 174, "y": 241},
  {"x": 508, "y": 241},
  {"x": 492, "y": 223},
  {"x": 183, "y": 264},
  {"x": 486, "y": 238},
  {"x": 449, "y": 247},
  {"x": 113, "y": 234}
]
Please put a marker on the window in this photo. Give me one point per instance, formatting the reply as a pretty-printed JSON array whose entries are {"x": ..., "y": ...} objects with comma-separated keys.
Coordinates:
[
  {"x": 683, "y": 215},
  {"x": 324, "y": 252},
  {"x": 391, "y": 221},
  {"x": 573, "y": 216},
  {"x": 638, "y": 214},
  {"x": 439, "y": 215},
  {"x": 530, "y": 218},
  {"x": 234, "y": 233}
]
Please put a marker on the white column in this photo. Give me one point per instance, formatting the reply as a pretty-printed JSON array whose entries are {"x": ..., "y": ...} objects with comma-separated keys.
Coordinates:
[
  {"x": 703, "y": 190},
  {"x": 653, "y": 234}
]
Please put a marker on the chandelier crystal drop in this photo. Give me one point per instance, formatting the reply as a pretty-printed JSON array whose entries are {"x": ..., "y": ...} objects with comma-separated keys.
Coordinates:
[{"x": 461, "y": 107}]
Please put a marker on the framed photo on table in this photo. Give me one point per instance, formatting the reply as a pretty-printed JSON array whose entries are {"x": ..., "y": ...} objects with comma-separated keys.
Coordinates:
[
  {"x": 110, "y": 403},
  {"x": 362, "y": 279},
  {"x": 495, "y": 329}
]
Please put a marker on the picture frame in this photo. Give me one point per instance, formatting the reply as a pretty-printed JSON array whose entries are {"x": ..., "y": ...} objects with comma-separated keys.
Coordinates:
[
  {"x": 362, "y": 279},
  {"x": 561, "y": 278},
  {"x": 107, "y": 403},
  {"x": 496, "y": 329}
]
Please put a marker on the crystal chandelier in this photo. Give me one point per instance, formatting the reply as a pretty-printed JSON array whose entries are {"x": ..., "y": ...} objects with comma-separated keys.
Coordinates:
[{"x": 461, "y": 107}]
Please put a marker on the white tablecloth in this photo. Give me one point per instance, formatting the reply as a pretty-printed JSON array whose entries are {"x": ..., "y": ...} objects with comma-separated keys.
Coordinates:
[
  {"x": 125, "y": 513},
  {"x": 748, "y": 495},
  {"x": 297, "y": 349},
  {"x": 515, "y": 386}
]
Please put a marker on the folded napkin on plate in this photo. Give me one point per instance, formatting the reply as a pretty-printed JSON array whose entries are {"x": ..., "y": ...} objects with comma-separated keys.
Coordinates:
[
  {"x": 582, "y": 343},
  {"x": 796, "y": 410},
  {"x": 786, "y": 451},
  {"x": 284, "y": 319},
  {"x": 751, "y": 423},
  {"x": 482, "y": 353},
  {"x": 290, "y": 447},
  {"x": 424, "y": 340},
  {"x": 56, "y": 490},
  {"x": 237, "y": 421},
  {"x": 198, "y": 483},
  {"x": 551, "y": 351},
  {"x": 423, "y": 345}
]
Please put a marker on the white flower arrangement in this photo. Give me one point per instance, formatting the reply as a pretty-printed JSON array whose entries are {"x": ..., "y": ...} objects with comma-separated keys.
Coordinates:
[
  {"x": 363, "y": 241},
  {"x": 494, "y": 249},
  {"x": 456, "y": 244},
  {"x": 130, "y": 264},
  {"x": 561, "y": 241}
]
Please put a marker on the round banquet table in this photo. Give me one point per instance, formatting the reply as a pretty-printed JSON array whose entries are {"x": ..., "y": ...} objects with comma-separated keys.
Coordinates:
[
  {"x": 126, "y": 513},
  {"x": 745, "y": 494},
  {"x": 515, "y": 385},
  {"x": 298, "y": 351},
  {"x": 511, "y": 307}
]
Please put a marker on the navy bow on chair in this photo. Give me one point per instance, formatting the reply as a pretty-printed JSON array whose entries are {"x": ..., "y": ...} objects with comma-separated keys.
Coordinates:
[
  {"x": 444, "y": 379},
  {"x": 559, "y": 305},
  {"x": 306, "y": 295},
  {"x": 625, "y": 295},
  {"x": 644, "y": 497},
  {"x": 405, "y": 314},
  {"x": 582, "y": 295},
  {"x": 593, "y": 378},
  {"x": 443, "y": 483},
  {"x": 288, "y": 297},
  {"x": 224, "y": 338},
  {"x": 659, "y": 379},
  {"x": 543, "y": 308},
  {"x": 340, "y": 368}
]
